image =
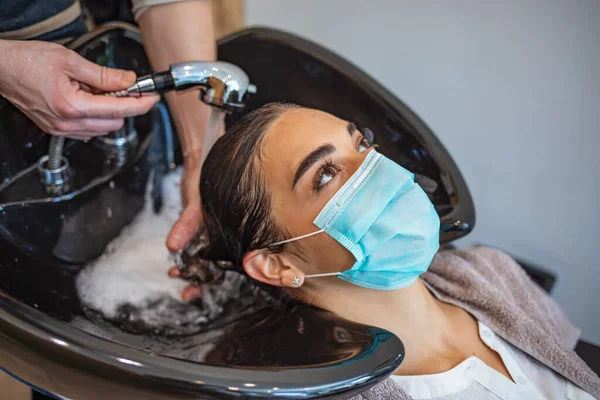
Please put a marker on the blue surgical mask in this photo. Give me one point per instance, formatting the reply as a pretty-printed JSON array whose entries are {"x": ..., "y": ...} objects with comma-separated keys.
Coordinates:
[{"x": 385, "y": 220}]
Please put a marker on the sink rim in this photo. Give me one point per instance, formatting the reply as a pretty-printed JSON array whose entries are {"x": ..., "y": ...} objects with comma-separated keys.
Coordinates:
[{"x": 34, "y": 327}]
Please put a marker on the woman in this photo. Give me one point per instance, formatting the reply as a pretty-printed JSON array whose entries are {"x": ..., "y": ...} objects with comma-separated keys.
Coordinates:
[{"x": 297, "y": 199}]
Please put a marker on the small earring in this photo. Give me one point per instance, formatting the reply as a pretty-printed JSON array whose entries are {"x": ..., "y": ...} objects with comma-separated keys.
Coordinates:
[{"x": 296, "y": 281}]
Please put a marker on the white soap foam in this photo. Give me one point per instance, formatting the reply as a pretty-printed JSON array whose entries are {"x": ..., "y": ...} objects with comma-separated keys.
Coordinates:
[
  {"x": 130, "y": 281},
  {"x": 133, "y": 269}
]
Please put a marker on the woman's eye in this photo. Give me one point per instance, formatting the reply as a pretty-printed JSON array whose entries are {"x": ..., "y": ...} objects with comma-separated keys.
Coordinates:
[
  {"x": 327, "y": 176},
  {"x": 327, "y": 173},
  {"x": 363, "y": 145}
]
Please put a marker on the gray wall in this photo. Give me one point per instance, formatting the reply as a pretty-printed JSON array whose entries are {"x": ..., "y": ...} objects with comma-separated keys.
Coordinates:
[{"x": 512, "y": 88}]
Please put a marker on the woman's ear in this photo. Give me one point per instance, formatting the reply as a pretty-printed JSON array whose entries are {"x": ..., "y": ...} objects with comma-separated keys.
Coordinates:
[{"x": 272, "y": 269}]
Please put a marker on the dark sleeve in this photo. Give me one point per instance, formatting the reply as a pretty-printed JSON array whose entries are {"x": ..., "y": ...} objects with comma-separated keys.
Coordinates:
[{"x": 16, "y": 15}]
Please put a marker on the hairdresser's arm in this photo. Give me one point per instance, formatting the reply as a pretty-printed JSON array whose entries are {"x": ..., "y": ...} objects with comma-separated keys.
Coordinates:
[
  {"x": 178, "y": 32},
  {"x": 57, "y": 89}
]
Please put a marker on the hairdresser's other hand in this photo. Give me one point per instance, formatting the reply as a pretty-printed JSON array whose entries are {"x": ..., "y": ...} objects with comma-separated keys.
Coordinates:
[
  {"x": 190, "y": 220},
  {"x": 196, "y": 145},
  {"x": 59, "y": 90},
  {"x": 191, "y": 291}
]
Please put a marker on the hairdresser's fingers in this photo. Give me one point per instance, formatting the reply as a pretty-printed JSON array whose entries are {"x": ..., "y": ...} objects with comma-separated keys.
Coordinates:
[
  {"x": 174, "y": 272},
  {"x": 101, "y": 125},
  {"x": 79, "y": 137},
  {"x": 83, "y": 135},
  {"x": 99, "y": 77},
  {"x": 89, "y": 127},
  {"x": 108, "y": 107},
  {"x": 191, "y": 292},
  {"x": 185, "y": 228},
  {"x": 89, "y": 89}
]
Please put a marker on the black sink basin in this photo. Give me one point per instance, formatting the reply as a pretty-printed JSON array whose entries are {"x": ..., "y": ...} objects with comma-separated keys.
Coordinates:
[{"x": 47, "y": 340}]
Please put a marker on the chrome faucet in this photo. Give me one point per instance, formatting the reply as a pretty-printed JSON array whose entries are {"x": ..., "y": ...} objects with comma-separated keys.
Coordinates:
[{"x": 222, "y": 85}]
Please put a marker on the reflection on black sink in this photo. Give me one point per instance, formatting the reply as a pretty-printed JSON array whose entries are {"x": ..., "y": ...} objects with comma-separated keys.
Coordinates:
[
  {"x": 47, "y": 339},
  {"x": 74, "y": 231}
]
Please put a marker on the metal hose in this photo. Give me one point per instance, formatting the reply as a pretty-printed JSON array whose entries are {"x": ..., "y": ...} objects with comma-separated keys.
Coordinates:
[{"x": 55, "y": 152}]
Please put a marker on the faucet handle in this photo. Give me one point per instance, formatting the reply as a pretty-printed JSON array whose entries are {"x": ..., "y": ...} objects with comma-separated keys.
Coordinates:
[
  {"x": 56, "y": 180},
  {"x": 118, "y": 144}
]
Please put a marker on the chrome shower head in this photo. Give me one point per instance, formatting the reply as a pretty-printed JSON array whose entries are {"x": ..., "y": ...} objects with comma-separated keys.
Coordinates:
[{"x": 222, "y": 85}]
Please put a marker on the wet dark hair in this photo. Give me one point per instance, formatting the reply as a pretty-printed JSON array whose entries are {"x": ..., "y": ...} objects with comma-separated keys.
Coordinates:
[{"x": 235, "y": 200}]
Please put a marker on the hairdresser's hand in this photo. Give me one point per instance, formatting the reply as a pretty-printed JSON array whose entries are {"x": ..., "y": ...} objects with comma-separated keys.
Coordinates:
[
  {"x": 197, "y": 139},
  {"x": 58, "y": 89},
  {"x": 191, "y": 218},
  {"x": 191, "y": 292}
]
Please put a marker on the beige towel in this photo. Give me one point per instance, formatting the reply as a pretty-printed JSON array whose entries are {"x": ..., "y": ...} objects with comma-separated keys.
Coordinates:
[{"x": 497, "y": 291}]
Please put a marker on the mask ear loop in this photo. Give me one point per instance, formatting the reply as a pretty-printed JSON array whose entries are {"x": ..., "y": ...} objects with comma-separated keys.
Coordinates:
[
  {"x": 322, "y": 275},
  {"x": 297, "y": 238},
  {"x": 303, "y": 237}
]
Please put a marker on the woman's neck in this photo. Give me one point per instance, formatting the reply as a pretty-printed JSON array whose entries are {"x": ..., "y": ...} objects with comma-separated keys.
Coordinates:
[{"x": 412, "y": 313}]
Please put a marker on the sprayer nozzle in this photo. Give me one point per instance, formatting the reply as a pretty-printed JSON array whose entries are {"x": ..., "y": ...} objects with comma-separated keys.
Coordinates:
[{"x": 148, "y": 85}]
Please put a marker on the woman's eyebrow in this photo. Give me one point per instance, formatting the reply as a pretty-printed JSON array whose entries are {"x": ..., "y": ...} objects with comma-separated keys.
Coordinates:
[{"x": 316, "y": 155}]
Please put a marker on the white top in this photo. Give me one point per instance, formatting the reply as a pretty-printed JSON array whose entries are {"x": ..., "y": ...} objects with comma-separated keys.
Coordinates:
[
  {"x": 138, "y": 7},
  {"x": 472, "y": 379}
]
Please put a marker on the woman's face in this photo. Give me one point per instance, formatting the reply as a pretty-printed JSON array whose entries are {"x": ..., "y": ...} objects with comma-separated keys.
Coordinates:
[{"x": 307, "y": 155}]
